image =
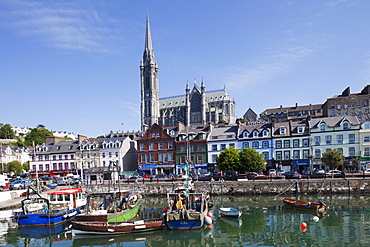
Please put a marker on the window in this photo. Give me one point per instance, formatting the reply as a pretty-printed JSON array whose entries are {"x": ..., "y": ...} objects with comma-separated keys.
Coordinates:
[
  {"x": 287, "y": 144},
  {"x": 116, "y": 154},
  {"x": 141, "y": 146},
  {"x": 322, "y": 127},
  {"x": 339, "y": 139},
  {"x": 151, "y": 157},
  {"x": 339, "y": 107},
  {"x": 255, "y": 133},
  {"x": 265, "y": 144},
  {"x": 60, "y": 157},
  {"x": 65, "y": 166},
  {"x": 255, "y": 145},
  {"x": 170, "y": 145},
  {"x": 223, "y": 147},
  {"x": 55, "y": 167},
  {"x": 317, "y": 153},
  {"x": 160, "y": 157},
  {"x": 278, "y": 155},
  {"x": 345, "y": 126},
  {"x": 151, "y": 146},
  {"x": 142, "y": 159},
  {"x": 60, "y": 166},
  {"x": 351, "y": 138},
  {"x": 345, "y": 106},
  {"x": 231, "y": 145},
  {"x": 160, "y": 146},
  {"x": 296, "y": 154},
  {"x": 169, "y": 156},
  {"x": 366, "y": 138},
  {"x": 278, "y": 144},
  {"x": 351, "y": 151},
  {"x": 182, "y": 159},
  {"x": 103, "y": 155},
  {"x": 47, "y": 157},
  {"x": 40, "y": 158},
  {"x": 41, "y": 167},
  {"x": 245, "y": 134},
  {"x": 214, "y": 147},
  {"x": 306, "y": 152},
  {"x": 264, "y": 133},
  {"x": 300, "y": 129},
  {"x": 191, "y": 148},
  {"x": 296, "y": 143},
  {"x": 317, "y": 140},
  {"x": 110, "y": 154},
  {"x": 265, "y": 155},
  {"x": 199, "y": 159},
  {"x": 340, "y": 150},
  {"x": 282, "y": 131},
  {"x": 305, "y": 142},
  {"x": 366, "y": 151},
  {"x": 245, "y": 144},
  {"x": 214, "y": 158},
  {"x": 328, "y": 140},
  {"x": 286, "y": 155},
  {"x": 182, "y": 149},
  {"x": 200, "y": 148},
  {"x": 66, "y": 156}
]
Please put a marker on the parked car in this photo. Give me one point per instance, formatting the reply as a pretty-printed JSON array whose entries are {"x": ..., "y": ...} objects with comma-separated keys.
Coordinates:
[
  {"x": 20, "y": 184},
  {"x": 74, "y": 181},
  {"x": 334, "y": 172},
  {"x": 52, "y": 185},
  {"x": 15, "y": 179},
  {"x": 319, "y": 171},
  {"x": 272, "y": 172},
  {"x": 46, "y": 180},
  {"x": 292, "y": 175}
]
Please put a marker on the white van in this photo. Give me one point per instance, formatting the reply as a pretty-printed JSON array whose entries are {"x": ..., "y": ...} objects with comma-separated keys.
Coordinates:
[{"x": 62, "y": 180}]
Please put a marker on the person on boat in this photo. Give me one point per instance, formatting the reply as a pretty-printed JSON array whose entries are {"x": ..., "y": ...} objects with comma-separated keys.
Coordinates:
[
  {"x": 179, "y": 204},
  {"x": 197, "y": 204}
]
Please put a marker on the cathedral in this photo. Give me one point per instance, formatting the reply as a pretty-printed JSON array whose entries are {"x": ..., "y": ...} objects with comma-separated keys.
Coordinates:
[{"x": 195, "y": 108}]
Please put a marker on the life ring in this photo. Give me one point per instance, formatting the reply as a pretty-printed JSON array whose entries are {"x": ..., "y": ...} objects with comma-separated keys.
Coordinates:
[
  {"x": 182, "y": 195},
  {"x": 94, "y": 203},
  {"x": 132, "y": 198}
]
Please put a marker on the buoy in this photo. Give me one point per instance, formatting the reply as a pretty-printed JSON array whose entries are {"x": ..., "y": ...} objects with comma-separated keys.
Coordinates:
[
  {"x": 208, "y": 220},
  {"x": 303, "y": 229},
  {"x": 209, "y": 214},
  {"x": 303, "y": 225},
  {"x": 316, "y": 219}
]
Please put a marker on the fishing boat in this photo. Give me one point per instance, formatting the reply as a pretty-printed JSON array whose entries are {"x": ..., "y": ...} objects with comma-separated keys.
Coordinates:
[
  {"x": 60, "y": 206},
  {"x": 115, "y": 206},
  {"x": 319, "y": 206},
  {"x": 231, "y": 212},
  {"x": 187, "y": 211},
  {"x": 111, "y": 228}
]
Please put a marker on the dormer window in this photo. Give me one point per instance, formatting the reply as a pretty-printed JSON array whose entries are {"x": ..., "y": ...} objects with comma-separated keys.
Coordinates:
[
  {"x": 322, "y": 127},
  {"x": 255, "y": 133},
  {"x": 245, "y": 134},
  {"x": 58, "y": 147},
  {"x": 264, "y": 133},
  {"x": 345, "y": 126},
  {"x": 282, "y": 131},
  {"x": 300, "y": 129}
]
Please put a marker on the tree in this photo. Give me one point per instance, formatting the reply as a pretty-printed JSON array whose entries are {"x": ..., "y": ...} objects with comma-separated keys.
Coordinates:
[
  {"x": 6, "y": 132},
  {"x": 26, "y": 165},
  {"x": 251, "y": 161},
  {"x": 333, "y": 158},
  {"x": 15, "y": 166},
  {"x": 228, "y": 160},
  {"x": 18, "y": 143},
  {"x": 241, "y": 120},
  {"x": 356, "y": 161},
  {"x": 37, "y": 135}
]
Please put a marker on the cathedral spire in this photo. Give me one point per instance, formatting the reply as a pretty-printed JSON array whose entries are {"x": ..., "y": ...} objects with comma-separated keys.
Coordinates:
[{"x": 148, "y": 52}]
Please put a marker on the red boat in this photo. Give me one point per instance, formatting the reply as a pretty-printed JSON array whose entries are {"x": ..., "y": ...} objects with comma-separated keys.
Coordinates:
[{"x": 85, "y": 227}]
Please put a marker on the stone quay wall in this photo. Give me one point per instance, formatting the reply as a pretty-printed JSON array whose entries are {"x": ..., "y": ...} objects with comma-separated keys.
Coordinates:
[{"x": 260, "y": 187}]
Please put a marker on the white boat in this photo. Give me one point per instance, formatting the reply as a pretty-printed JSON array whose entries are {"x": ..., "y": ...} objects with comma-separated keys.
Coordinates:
[{"x": 232, "y": 212}]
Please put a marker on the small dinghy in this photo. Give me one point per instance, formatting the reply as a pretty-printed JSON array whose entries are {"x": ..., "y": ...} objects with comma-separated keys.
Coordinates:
[{"x": 231, "y": 212}]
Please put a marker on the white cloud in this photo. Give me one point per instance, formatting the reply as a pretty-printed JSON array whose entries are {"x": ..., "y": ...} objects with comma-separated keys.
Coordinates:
[
  {"x": 68, "y": 27},
  {"x": 270, "y": 65}
]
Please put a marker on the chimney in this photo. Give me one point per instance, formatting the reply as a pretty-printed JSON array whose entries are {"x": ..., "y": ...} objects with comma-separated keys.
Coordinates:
[
  {"x": 54, "y": 139},
  {"x": 81, "y": 138}
]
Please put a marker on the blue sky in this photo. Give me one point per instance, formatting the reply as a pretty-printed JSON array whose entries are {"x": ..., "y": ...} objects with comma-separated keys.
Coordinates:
[{"x": 74, "y": 65}]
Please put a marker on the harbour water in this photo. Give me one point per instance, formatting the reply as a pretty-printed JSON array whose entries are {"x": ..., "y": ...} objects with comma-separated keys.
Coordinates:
[{"x": 265, "y": 222}]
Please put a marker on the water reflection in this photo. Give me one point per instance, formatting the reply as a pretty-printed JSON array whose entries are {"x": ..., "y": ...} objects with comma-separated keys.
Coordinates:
[{"x": 265, "y": 222}]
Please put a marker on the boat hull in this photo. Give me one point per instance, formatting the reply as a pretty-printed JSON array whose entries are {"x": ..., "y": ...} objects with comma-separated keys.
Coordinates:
[
  {"x": 122, "y": 216},
  {"x": 230, "y": 212},
  {"x": 304, "y": 204},
  {"x": 52, "y": 219},
  {"x": 114, "y": 228}
]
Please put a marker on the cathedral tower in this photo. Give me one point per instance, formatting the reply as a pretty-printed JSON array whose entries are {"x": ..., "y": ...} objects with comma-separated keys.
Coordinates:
[{"x": 149, "y": 83}]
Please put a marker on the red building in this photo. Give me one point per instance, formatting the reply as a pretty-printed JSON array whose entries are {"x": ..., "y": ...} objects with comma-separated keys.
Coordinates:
[{"x": 156, "y": 151}]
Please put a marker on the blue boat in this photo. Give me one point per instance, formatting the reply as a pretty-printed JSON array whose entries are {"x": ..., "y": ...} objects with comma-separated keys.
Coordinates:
[
  {"x": 187, "y": 211},
  {"x": 60, "y": 206}
]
